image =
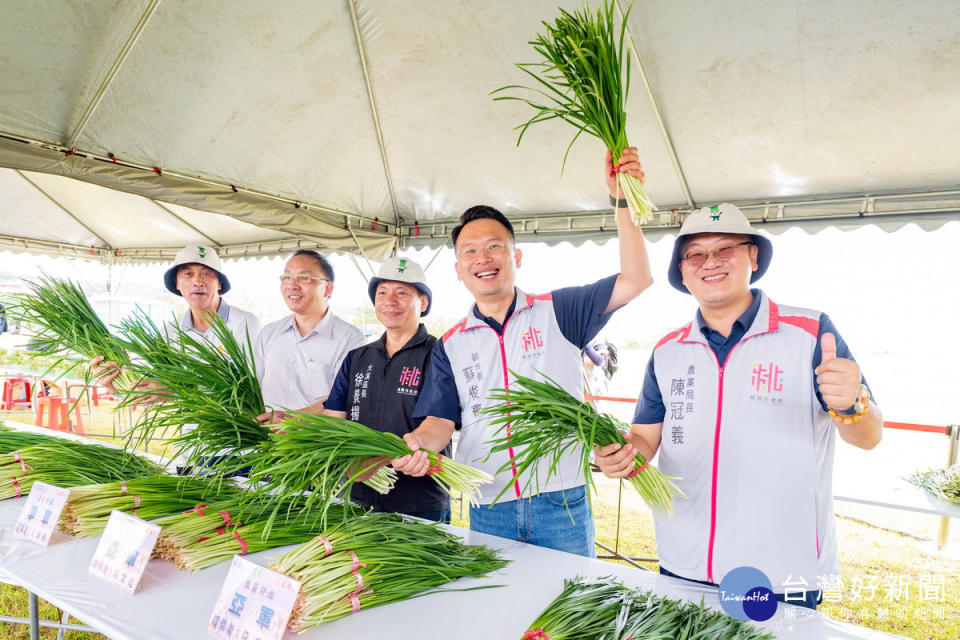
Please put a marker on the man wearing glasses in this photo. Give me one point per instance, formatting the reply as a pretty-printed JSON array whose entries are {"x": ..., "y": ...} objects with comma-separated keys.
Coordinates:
[
  {"x": 743, "y": 405},
  {"x": 507, "y": 329},
  {"x": 298, "y": 356}
]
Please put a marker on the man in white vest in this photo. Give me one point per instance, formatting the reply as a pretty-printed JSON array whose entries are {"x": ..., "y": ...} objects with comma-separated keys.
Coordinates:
[
  {"x": 533, "y": 335},
  {"x": 743, "y": 404}
]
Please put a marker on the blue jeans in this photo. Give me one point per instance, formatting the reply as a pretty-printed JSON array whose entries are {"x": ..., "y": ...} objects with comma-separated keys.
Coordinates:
[
  {"x": 543, "y": 520},
  {"x": 810, "y": 600}
]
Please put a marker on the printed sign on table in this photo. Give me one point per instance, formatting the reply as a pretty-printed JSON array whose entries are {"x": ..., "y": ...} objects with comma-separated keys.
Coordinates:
[
  {"x": 124, "y": 549},
  {"x": 40, "y": 514},
  {"x": 254, "y": 603}
]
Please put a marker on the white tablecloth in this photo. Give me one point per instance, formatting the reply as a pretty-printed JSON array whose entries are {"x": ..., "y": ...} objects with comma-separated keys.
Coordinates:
[{"x": 175, "y": 605}]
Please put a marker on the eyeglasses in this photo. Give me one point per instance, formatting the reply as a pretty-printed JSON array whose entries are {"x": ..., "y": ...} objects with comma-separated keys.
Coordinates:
[
  {"x": 697, "y": 258},
  {"x": 301, "y": 278},
  {"x": 494, "y": 248}
]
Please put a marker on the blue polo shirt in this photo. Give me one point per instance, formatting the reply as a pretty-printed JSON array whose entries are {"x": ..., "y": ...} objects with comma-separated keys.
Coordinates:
[
  {"x": 650, "y": 408},
  {"x": 580, "y": 316}
]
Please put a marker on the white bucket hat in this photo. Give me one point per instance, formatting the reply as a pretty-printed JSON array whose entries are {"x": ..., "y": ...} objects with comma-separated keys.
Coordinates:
[
  {"x": 720, "y": 218},
  {"x": 405, "y": 270},
  {"x": 193, "y": 254}
]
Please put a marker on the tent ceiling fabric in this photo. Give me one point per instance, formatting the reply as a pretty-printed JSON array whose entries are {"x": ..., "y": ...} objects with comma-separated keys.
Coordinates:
[{"x": 362, "y": 125}]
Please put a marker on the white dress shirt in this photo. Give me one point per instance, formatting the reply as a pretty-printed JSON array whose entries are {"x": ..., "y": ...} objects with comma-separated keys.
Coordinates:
[{"x": 295, "y": 371}]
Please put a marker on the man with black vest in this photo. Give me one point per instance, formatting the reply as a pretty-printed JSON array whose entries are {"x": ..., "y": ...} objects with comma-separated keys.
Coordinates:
[
  {"x": 533, "y": 335},
  {"x": 379, "y": 383}
]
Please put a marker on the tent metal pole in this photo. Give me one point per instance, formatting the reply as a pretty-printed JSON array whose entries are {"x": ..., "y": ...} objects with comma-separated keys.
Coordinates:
[
  {"x": 175, "y": 215},
  {"x": 435, "y": 255},
  {"x": 656, "y": 110},
  {"x": 137, "y": 30},
  {"x": 362, "y": 252},
  {"x": 375, "y": 113},
  {"x": 63, "y": 208}
]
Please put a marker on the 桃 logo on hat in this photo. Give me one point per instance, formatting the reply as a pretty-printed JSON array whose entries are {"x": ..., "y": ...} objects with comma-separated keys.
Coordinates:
[
  {"x": 202, "y": 252},
  {"x": 715, "y": 209},
  {"x": 402, "y": 266}
]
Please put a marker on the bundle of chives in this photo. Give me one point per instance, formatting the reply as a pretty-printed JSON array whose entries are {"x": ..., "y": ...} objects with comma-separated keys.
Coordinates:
[
  {"x": 211, "y": 386},
  {"x": 585, "y": 609},
  {"x": 240, "y": 532},
  {"x": 88, "y": 508},
  {"x": 14, "y": 440},
  {"x": 202, "y": 520},
  {"x": 68, "y": 464},
  {"x": 584, "y": 80},
  {"x": 604, "y": 609},
  {"x": 943, "y": 483},
  {"x": 325, "y": 455},
  {"x": 374, "y": 560},
  {"x": 67, "y": 325},
  {"x": 546, "y": 422}
]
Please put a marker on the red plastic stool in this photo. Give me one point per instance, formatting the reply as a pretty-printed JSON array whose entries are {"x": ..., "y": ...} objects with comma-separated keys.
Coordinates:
[
  {"x": 7, "y": 402},
  {"x": 58, "y": 414},
  {"x": 99, "y": 395}
]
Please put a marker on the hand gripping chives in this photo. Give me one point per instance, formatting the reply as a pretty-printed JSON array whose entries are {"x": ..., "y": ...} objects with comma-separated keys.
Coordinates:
[
  {"x": 584, "y": 80},
  {"x": 546, "y": 422},
  {"x": 325, "y": 455}
]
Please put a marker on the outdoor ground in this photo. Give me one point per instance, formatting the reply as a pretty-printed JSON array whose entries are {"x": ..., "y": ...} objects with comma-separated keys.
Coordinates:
[{"x": 892, "y": 578}]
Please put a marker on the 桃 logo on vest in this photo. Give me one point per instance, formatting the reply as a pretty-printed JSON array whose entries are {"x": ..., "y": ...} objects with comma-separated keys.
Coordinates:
[
  {"x": 409, "y": 380},
  {"x": 766, "y": 380},
  {"x": 532, "y": 341}
]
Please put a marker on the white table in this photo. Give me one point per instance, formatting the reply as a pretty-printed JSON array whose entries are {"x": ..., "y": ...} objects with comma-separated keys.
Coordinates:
[{"x": 175, "y": 605}]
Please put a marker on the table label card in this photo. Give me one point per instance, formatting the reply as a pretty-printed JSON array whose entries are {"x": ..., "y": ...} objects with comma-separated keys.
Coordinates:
[
  {"x": 40, "y": 514},
  {"x": 254, "y": 603},
  {"x": 124, "y": 549}
]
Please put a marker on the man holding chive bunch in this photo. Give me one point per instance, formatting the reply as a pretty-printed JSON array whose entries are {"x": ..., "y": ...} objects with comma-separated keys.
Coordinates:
[
  {"x": 743, "y": 405},
  {"x": 379, "y": 383},
  {"x": 197, "y": 276},
  {"x": 534, "y": 336}
]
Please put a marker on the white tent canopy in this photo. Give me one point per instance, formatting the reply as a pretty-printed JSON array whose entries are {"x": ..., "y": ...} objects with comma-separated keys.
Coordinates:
[{"x": 361, "y": 125}]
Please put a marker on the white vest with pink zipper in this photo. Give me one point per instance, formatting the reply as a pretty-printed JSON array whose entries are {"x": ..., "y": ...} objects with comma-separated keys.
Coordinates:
[
  {"x": 754, "y": 449},
  {"x": 480, "y": 358}
]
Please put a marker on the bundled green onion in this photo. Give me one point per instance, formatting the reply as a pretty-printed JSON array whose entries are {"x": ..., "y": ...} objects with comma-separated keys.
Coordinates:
[
  {"x": 584, "y": 80},
  {"x": 604, "y": 609},
  {"x": 212, "y": 387},
  {"x": 374, "y": 560},
  {"x": 943, "y": 483},
  {"x": 64, "y": 463},
  {"x": 88, "y": 508},
  {"x": 545, "y": 423},
  {"x": 67, "y": 325},
  {"x": 14, "y": 440},
  {"x": 207, "y": 535},
  {"x": 326, "y": 455}
]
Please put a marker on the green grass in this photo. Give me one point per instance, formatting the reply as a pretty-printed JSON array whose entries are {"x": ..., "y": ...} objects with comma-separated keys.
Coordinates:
[{"x": 877, "y": 546}]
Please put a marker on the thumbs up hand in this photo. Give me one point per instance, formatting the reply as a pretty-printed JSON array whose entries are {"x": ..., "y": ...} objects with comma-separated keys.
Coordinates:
[{"x": 838, "y": 379}]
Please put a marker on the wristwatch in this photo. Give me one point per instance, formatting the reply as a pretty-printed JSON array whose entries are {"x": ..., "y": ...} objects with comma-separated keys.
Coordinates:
[{"x": 860, "y": 407}]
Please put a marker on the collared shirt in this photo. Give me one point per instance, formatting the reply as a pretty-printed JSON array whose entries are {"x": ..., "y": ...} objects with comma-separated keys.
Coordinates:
[
  {"x": 297, "y": 371},
  {"x": 650, "y": 408},
  {"x": 580, "y": 315},
  {"x": 240, "y": 323}
]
